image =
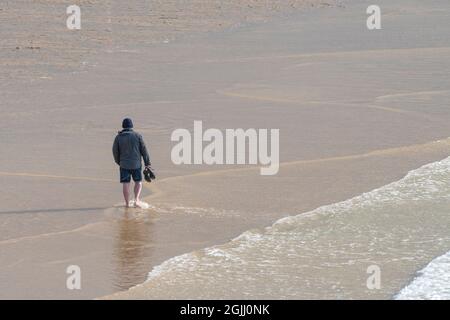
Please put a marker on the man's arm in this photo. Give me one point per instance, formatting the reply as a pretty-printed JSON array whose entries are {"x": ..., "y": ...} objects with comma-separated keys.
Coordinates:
[
  {"x": 144, "y": 151},
  {"x": 116, "y": 151}
]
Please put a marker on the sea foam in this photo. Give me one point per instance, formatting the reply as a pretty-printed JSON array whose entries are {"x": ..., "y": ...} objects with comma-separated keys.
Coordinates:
[
  {"x": 325, "y": 253},
  {"x": 431, "y": 283}
]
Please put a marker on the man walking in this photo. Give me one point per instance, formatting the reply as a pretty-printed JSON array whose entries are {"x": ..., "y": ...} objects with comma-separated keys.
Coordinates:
[{"x": 128, "y": 148}]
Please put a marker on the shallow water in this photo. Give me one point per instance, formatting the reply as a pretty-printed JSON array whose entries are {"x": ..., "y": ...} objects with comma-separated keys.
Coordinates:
[
  {"x": 379, "y": 90},
  {"x": 324, "y": 253}
]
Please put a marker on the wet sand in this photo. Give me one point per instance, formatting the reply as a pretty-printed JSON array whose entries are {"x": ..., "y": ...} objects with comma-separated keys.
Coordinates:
[{"x": 356, "y": 110}]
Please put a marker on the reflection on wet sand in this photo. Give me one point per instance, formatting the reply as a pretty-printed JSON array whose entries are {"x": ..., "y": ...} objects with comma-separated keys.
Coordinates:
[{"x": 132, "y": 234}]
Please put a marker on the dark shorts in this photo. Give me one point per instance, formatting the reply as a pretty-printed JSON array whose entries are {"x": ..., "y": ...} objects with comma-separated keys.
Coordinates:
[{"x": 126, "y": 174}]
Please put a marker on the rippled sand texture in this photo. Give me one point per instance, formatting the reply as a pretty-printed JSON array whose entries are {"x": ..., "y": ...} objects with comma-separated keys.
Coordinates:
[{"x": 35, "y": 41}]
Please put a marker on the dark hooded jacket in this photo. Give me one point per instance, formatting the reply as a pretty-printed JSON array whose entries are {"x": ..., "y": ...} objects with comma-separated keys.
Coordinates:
[{"x": 128, "y": 148}]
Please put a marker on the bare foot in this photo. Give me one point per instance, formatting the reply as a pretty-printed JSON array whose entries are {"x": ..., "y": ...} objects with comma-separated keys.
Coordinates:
[{"x": 138, "y": 204}]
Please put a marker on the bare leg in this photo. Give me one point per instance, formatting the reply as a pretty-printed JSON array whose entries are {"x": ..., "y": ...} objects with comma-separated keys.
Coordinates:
[
  {"x": 137, "y": 192},
  {"x": 126, "y": 193}
]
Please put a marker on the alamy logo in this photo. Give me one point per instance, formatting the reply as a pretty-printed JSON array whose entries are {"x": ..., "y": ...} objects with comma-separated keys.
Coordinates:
[
  {"x": 73, "y": 281},
  {"x": 73, "y": 22},
  {"x": 227, "y": 148},
  {"x": 374, "y": 20},
  {"x": 374, "y": 280}
]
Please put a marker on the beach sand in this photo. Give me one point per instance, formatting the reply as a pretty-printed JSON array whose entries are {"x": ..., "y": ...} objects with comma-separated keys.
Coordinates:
[{"x": 356, "y": 110}]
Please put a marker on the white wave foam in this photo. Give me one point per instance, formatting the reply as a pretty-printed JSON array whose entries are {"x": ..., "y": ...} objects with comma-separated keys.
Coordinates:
[
  {"x": 289, "y": 238},
  {"x": 432, "y": 282}
]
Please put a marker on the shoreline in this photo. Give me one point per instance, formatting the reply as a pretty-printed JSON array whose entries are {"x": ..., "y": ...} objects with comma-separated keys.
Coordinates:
[
  {"x": 143, "y": 291},
  {"x": 349, "y": 125}
]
